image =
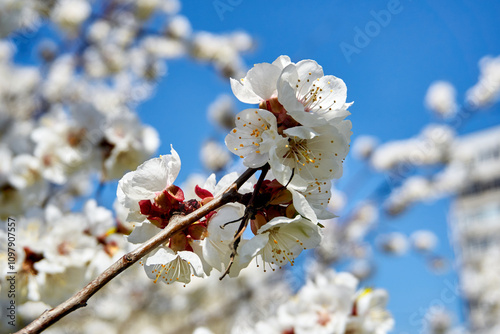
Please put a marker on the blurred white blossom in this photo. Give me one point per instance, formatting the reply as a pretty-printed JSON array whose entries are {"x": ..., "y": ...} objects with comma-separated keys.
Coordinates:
[
  {"x": 487, "y": 89},
  {"x": 394, "y": 243},
  {"x": 424, "y": 240},
  {"x": 364, "y": 146},
  {"x": 214, "y": 156},
  {"x": 441, "y": 99}
]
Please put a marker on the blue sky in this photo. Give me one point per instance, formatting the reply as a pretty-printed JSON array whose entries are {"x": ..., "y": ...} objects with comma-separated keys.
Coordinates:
[{"x": 387, "y": 77}]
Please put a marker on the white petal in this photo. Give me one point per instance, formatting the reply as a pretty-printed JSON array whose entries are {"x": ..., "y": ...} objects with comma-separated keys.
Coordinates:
[
  {"x": 173, "y": 163},
  {"x": 256, "y": 160},
  {"x": 250, "y": 249},
  {"x": 300, "y": 76},
  {"x": 194, "y": 260},
  {"x": 169, "y": 267},
  {"x": 142, "y": 232},
  {"x": 224, "y": 183},
  {"x": 216, "y": 249},
  {"x": 149, "y": 178},
  {"x": 281, "y": 62},
  {"x": 263, "y": 77},
  {"x": 302, "y": 206},
  {"x": 302, "y": 132},
  {"x": 163, "y": 255},
  {"x": 210, "y": 183},
  {"x": 309, "y": 69},
  {"x": 243, "y": 92}
]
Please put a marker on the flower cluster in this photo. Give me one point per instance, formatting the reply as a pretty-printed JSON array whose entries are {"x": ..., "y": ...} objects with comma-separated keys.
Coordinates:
[
  {"x": 299, "y": 127},
  {"x": 151, "y": 199},
  {"x": 58, "y": 252},
  {"x": 329, "y": 303},
  {"x": 299, "y": 133}
]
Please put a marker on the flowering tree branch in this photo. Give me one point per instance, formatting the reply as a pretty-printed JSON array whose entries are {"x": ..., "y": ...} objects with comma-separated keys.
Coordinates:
[{"x": 176, "y": 224}]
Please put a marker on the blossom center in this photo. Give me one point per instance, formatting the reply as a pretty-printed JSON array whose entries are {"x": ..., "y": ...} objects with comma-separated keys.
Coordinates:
[
  {"x": 300, "y": 153},
  {"x": 279, "y": 251},
  {"x": 172, "y": 271},
  {"x": 311, "y": 98},
  {"x": 314, "y": 97}
]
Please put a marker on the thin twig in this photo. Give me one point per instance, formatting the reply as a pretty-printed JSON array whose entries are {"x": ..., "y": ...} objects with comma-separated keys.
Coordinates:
[
  {"x": 176, "y": 224},
  {"x": 249, "y": 214}
]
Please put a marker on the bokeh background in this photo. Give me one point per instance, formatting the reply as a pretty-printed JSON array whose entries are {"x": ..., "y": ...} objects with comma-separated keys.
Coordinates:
[{"x": 388, "y": 67}]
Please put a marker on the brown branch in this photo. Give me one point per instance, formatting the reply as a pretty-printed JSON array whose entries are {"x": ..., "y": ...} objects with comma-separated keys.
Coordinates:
[
  {"x": 249, "y": 214},
  {"x": 176, "y": 224}
]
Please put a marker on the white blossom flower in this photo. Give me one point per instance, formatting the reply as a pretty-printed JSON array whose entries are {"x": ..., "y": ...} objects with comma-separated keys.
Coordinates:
[
  {"x": 166, "y": 264},
  {"x": 221, "y": 50},
  {"x": 67, "y": 244},
  {"x": 163, "y": 47},
  {"x": 169, "y": 266},
  {"x": 338, "y": 200},
  {"x": 254, "y": 136},
  {"x": 309, "y": 96},
  {"x": 280, "y": 241},
  {"x": 317, "y": 194},
  {"x": 361, "y": 221},
  {"x": 62, "y": 146},
  {"x": 221, "y": 112},
  {"x": 314, "y": 154},
  {"x": 361, "y": 268},
  {"x": 260, "y": 83},
  {"x": 26, "y": 176},
  {"x": 323, "y": 304},
  {"x": 150, "y": 179},
  {"x": 145, "y": 8},
  {"x": 441, "y": 99},
  {"x": 99, "y": 219},
  {"x": 393, "y": 243},
  {"x": 216, "y": 246},
  {"x": 439, "y": 320},
  {"x": 364, "y": 146},
  {"x": 179, "y": 27},
  {"x": 56, "y": 287},
  {"x": 369, "y": 313},
  {"x": 99, "y": 31},
  {"x": 170, "y": 7},
  {"x": 70, "y": 14},
  {"x": 430, "y": 147},
  {"x": 241, "y": 40},
  {"x": 58, "y": 81},
  {"x": 423, "y": 240},
  {"x": 202, "y": 330},
  {"x": 487, "y": 89},
  {"x": 19, "y": 14},
  {"x": 415, "y": 188},
  {"x": 214, "y": 156},
  {"x": 131, "y": 143}
]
